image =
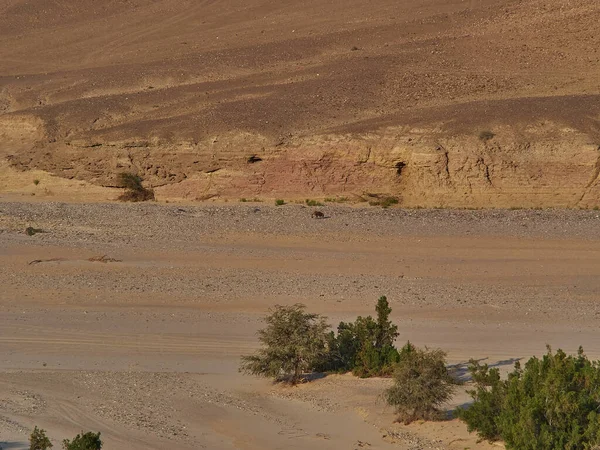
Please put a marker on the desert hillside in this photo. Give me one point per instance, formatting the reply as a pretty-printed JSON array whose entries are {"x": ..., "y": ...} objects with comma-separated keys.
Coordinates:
[{"x": 438, "y": 102}]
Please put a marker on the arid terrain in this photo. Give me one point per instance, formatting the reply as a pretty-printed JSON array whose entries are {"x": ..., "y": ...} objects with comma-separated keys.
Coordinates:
[
  {"x": 438, "y": 102},
  {"x": 130, "y": 319}
]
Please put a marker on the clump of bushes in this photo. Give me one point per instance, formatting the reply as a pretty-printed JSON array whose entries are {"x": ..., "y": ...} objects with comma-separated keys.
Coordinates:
[
  {"x": 84, "y": 441},
  {"x": 365, "y": 347},
  {"x": 421, "y": 384},
  {"x": 134, "y": 190},
  {"x": 552, "y": 403},
  {"x": 295, "y": 343},
  {"x": 279, "y": 202}
]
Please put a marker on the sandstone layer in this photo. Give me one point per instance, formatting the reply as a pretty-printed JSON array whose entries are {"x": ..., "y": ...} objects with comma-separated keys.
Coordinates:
[{"x": 492, "y": 103}]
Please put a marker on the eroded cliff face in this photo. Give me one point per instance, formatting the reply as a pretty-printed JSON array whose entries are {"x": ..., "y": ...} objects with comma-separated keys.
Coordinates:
[
  {"x": 304, "y": 99},
  {"x": 539, "y": 165}
]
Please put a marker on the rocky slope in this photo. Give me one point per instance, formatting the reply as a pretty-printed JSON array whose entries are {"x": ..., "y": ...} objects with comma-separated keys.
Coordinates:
[{"x": 440, "y": 103}]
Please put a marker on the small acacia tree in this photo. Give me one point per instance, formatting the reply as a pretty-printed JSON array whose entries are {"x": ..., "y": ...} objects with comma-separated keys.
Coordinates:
[
  {"x": 38, "y": 440},
  {"x": 294, "y": 342},
  {"x": 421, "y": 384},
  {"x": 84, "y": 441}
]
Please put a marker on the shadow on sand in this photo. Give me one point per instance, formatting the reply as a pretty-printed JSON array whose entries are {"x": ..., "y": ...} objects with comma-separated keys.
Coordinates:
[
  {"x": 13, "y": 445},
  {"x": 460, "y": 371}
]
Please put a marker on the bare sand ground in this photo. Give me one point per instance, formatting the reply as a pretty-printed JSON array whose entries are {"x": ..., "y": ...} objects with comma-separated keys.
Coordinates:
[{"x": 145, "y": 349}]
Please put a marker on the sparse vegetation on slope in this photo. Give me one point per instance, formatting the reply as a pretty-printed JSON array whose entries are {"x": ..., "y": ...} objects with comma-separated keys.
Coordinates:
[
  {"x": 310, "y": 202},
  {"x": 385, "y": 201},
  {"x": 134, "y": 190},
  {"x": 30, "y": 231},
  {"x": 486, "y": 135}
]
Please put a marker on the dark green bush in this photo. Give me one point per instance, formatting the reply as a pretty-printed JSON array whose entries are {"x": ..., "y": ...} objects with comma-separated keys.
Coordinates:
[
  {"x": 279, "y": 202},
  {"x": 84, "y": 441},
  {"x": 30, "y": 231},
  {"x": 38, "y": 440},
  {"x": 488, "y": 396},
  {"x": 551, "y": 404},
  {"x": 134, "y": 190},
  {"x": 384, "y": 202},
  {"x": 486, "y": 135},
  {"x": 421, "y": 384},
  {"x": 310, "y": 202},
  {"x": 366, "y": 346}
]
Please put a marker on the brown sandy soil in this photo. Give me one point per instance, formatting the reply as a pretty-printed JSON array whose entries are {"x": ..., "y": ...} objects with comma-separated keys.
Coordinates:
[
  {"x": 145, "y": 348},
  {"x": 333, "y": 98}
]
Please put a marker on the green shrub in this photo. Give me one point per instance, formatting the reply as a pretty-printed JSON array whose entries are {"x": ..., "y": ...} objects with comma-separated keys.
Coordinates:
[
  {"x": 293, "y": 343},
  {"x": 84, "y": 441},
  {"x": 279, "y": 202},
  {"x": 488, "y": 396},
  {"x": 336, "y": 199},
  {"x": 421, "y": 384},
  {"x": 313, "y": 203},
  {"x": 551, "y": 404},
  {"x": 134, "y": 190},
  {"x": 486, "y": 135},
  {"x": 36, "y": 182},
  {"x": 30, "y": 231},
  {"x": 384, "y": 202},
  {"x": 366, "y": 346},
  {"x": 38, "y": 440}
]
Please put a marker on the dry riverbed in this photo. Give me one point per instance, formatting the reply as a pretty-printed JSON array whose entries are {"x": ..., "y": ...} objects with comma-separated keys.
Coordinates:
[{"x": 130, "y": 319}]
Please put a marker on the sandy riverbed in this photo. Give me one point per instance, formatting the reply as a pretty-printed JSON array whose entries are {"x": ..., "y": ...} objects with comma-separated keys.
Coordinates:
[{"x": 145, "y": 349}]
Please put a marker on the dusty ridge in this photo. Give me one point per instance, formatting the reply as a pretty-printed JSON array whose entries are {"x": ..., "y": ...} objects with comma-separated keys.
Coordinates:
[{"x": 442, "y": 103}]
